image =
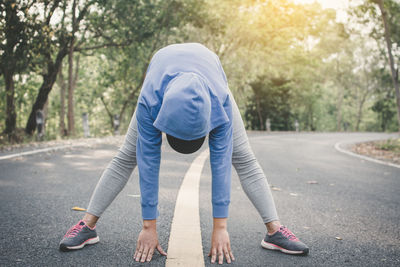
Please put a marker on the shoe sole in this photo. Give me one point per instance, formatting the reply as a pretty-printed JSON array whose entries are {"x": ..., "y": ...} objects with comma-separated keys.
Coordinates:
[
  {"x": 271, "y": 246},
  {"x": 87, "y": 242}
]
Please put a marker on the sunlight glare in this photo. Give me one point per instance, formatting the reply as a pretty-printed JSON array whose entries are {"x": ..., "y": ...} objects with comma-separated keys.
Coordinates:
[{"x": 336, "y": 4}]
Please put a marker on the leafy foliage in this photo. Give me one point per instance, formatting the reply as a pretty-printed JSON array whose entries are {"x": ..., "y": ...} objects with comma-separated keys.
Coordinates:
[
  {"x": 284, "y": 61},
  {"x": 270, "y": 101}
]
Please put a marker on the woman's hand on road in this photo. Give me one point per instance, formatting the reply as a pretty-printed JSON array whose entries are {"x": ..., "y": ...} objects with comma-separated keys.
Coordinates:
[
  {"x": 147, "y": 242},
  {"x": 220, "y": 243}
]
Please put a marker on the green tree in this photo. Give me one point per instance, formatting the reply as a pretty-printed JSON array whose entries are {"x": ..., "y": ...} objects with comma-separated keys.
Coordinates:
[
  {"x": 125, "y": 67},
  {"x": 394, "y": 7},
  {"x": 53, "y": 42},
  {"x": 99, "y": 24},
  {"x": 17, "y": 27},
  {"x": 386, "y": 20},
  {"x": 271, "y": 100}
]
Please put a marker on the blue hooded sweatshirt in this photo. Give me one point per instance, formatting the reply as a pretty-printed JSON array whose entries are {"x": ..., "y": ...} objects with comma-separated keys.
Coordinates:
[{"x": 185, "y": 94}]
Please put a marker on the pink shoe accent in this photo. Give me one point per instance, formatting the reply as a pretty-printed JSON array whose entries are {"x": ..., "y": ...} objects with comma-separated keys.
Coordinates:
[
  {"x": 74, "y": 230},
  {"x": 288, "y": 234}
]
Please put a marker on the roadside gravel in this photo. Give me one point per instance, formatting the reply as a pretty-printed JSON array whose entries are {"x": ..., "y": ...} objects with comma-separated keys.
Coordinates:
[{"x": 373, "y": 150}]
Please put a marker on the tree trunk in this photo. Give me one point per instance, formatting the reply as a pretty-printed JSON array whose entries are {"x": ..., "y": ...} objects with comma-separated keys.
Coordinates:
[
  {"x": 61, "y": 84},
  {"x": 47, "y": 84},
  {"x": 395, "y": 77},
  {"x": 312, "y": 127},
  {"x": 8, "y": 64},
  {"x": 359, "y": 115},
  {"x": 10, "y": 108},
  {"x": 360, "y": 107},
  {"x": 339, "y": 100},
  {"x": 110, "y": 115},
  {"x": 45, "y": 113},
  {"x": 339, "y": 110},
  {"x": 128, "y": 100},
  {"x": 260, "y": 118},
  {"x": 76, "y": 75},
  {"x": 71, "y": 119}
]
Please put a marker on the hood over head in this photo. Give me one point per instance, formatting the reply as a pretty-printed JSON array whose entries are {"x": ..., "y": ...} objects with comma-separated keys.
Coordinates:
[{"x": 186, "y": 108}]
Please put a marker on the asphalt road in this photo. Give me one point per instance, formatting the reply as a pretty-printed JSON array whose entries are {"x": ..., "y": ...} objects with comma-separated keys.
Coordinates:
[{"x": 353, "y": 199}]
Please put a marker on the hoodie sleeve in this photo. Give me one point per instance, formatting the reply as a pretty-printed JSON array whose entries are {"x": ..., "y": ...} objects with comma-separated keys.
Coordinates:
[
  {"x": 148, "y": 152},
  {"x": 220, "y": 144}
]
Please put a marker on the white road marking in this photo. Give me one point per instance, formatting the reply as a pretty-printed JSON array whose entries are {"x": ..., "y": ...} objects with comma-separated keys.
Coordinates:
[
  {"x": 185, "y": 246},
  {"x": 129, "y": 195},
  {"x": 338, "y": 148},
  {"x": 38, "y": 151}
]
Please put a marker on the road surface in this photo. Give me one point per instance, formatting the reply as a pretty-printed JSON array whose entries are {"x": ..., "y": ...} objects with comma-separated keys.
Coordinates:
[{"x": 354, "y": 200}]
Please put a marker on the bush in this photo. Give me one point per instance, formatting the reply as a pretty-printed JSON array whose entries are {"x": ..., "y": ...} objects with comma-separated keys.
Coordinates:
[{"x": 389, "y": 145}]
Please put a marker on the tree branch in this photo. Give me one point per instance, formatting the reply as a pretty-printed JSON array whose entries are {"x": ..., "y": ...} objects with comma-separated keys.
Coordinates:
[
  {"x": 108, "y": 111},
  {"x": 82, "y": 12},
  {"x": 126, "y": 43},
  {"x": 53, "y": 8},
  {"x": 75, "y": 78}
]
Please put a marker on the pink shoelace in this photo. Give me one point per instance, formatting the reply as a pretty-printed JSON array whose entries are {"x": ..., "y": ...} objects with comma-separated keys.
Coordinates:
[
  {"x": 74, "y": 230},
  {"x": 288, "y": 234}
]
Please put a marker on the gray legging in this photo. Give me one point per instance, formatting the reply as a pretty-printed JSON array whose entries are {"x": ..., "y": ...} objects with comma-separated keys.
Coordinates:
[{"x": 251, "y": 176}]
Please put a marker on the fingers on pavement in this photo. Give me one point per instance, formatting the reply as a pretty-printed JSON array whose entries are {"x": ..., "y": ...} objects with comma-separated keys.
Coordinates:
[
  {"x": 162, "y": 252},
  {"x": 150, "y": 254},
  {"x": 138, "y": 252},
  {"x": 213, "y": 253},
  {"x": 227, "y": 255},
  {"x": 220, "y": 253},
  {"x": 144, "y": 255}
]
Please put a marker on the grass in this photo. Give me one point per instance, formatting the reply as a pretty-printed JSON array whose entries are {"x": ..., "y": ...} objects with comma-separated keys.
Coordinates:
[{"x": 392, "y": 145}]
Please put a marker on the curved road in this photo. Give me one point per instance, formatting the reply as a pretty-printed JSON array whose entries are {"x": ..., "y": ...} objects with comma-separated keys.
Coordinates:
[{"x": 354, "y": 200}]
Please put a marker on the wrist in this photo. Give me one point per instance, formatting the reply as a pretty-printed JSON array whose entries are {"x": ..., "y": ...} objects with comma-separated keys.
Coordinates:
[
  {"x": 149, "y": 224},
  {"x": 220, "y": 223}
]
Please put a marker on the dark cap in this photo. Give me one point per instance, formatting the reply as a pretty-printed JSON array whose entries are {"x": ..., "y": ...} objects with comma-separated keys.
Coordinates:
[{"x": 185, "y": 146}]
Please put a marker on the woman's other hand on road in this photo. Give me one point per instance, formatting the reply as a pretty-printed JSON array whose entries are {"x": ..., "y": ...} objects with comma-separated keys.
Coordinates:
[{"x": 220, "y": 243}]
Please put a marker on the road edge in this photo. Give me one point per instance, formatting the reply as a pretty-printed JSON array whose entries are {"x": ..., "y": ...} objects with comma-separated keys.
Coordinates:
[
  {"x": 37, "y": 151},
  {"x": 342, "y": 150},
  {"x": 66, "y": 144}
]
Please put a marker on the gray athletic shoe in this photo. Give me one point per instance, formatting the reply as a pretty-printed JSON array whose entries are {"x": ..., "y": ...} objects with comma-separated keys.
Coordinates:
[
  {"x": 79, "y": 236},
  {"x": 285, "y": 241}
]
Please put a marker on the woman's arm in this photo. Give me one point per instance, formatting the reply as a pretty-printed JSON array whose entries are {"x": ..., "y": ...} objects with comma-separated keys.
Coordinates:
[
  {"x": 148, "y": 153},
  {"x": 148, "y": 160},
  {"x": 220, "y": 143}
]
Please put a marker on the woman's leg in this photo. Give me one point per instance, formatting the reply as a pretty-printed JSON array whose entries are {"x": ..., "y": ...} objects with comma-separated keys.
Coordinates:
[
  {"x": 115, "y": 176},
  {"x": 252, "y": 178}
]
